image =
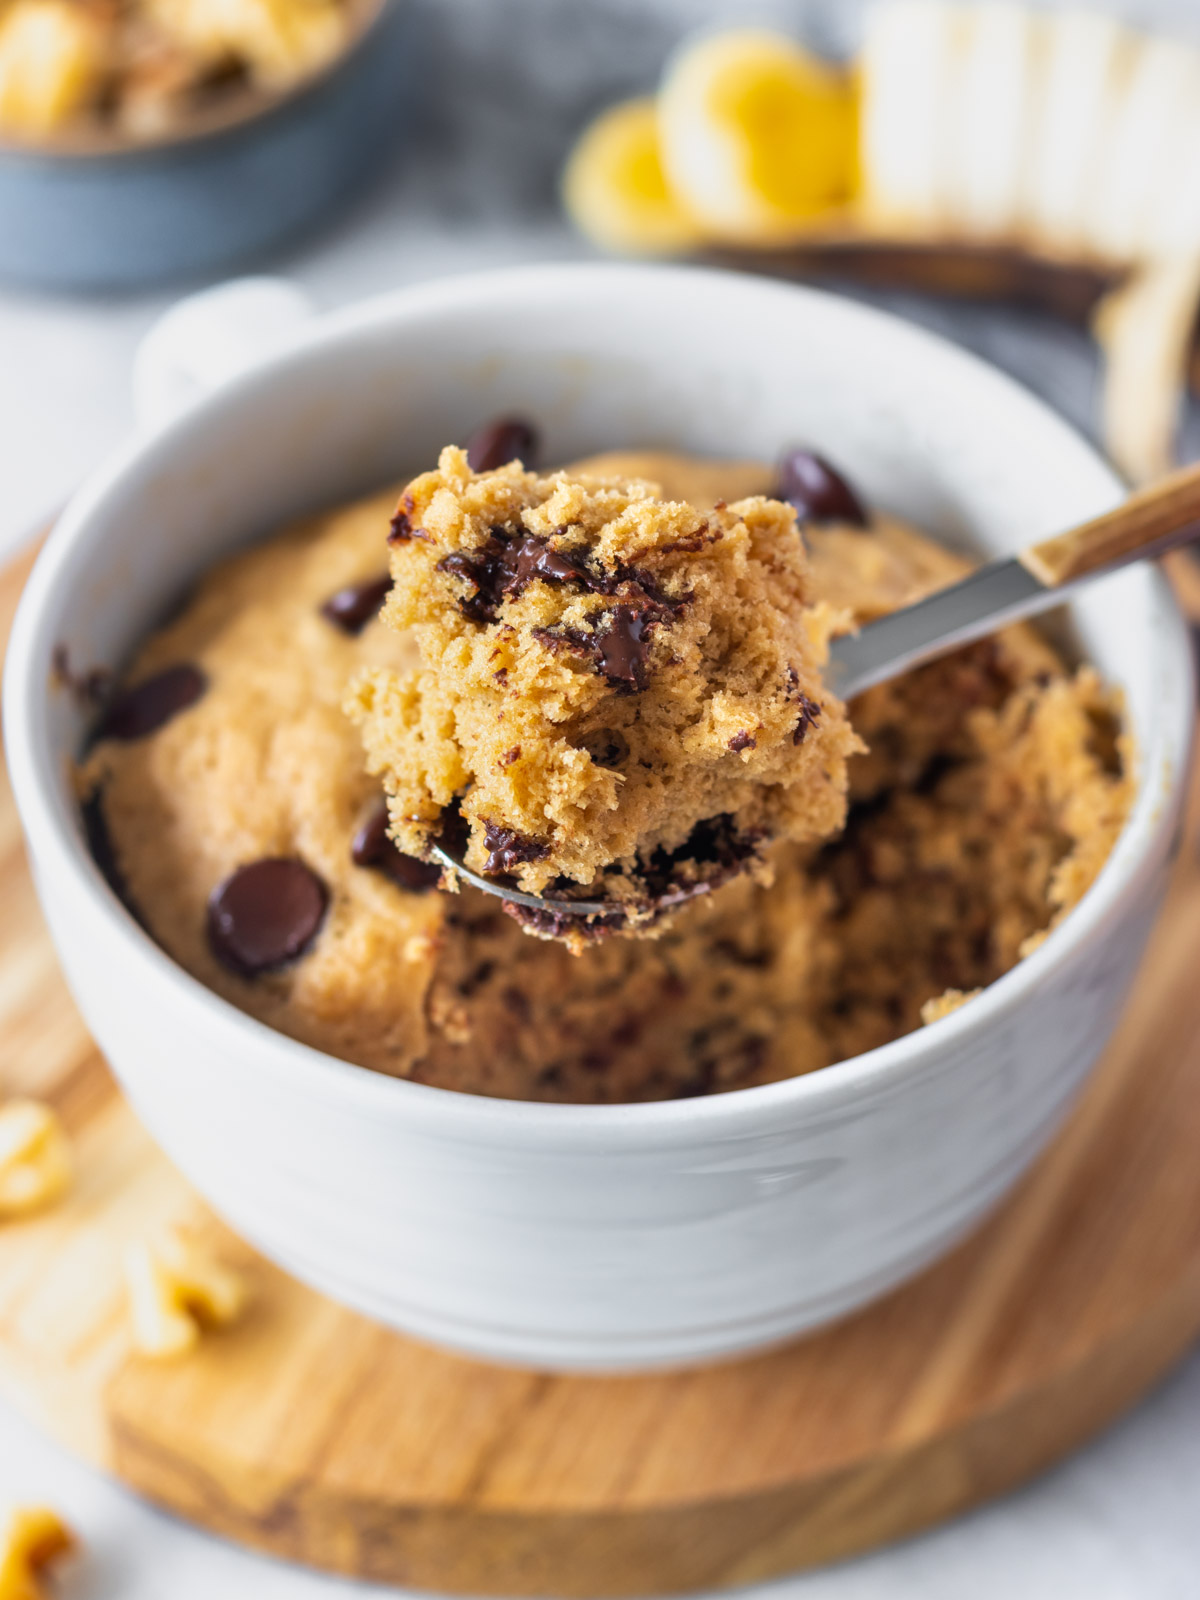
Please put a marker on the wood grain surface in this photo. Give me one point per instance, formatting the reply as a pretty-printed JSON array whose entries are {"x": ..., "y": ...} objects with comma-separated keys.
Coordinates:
[
  {"x": 1168, "y": 510},
  {"x": 310, "y": 1432}
]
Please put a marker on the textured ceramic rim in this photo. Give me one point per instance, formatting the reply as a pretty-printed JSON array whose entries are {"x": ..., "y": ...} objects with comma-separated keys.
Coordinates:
[
  {"x": 59, "y": 844},
  {"x": 249, "y": 110}
]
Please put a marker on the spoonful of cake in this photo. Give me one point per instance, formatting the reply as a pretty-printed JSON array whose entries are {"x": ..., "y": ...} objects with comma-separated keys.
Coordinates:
[{"x": 623, "y": 700}]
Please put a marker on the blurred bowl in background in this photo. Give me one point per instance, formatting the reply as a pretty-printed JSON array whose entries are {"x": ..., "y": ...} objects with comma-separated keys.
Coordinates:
[{"x": 124, "y": 214}]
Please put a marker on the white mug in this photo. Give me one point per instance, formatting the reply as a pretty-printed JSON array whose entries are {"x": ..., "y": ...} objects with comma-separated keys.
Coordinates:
[{"x": 601, "y": 1237}]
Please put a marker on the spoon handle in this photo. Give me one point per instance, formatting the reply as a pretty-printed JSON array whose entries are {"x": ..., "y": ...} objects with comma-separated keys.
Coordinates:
[
  {"x": 1034, "y": 580},
  {"x": 1149, "y": 523}
]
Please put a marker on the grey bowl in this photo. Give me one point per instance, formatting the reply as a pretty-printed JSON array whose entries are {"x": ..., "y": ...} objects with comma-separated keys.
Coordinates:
[{"x": 129, "y": 217}]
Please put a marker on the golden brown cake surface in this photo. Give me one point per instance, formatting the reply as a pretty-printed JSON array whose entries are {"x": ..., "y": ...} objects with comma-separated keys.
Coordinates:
[{"x": 991, "y": 794}]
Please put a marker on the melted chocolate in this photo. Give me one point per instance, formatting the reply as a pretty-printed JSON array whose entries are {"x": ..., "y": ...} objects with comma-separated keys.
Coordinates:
[
  {"x": 548, "y": 924},
  {"x": 401, "y": 528},
  {"x": 486, "y": 570},
  {"x": 103, "y": 852},
  {"x": 265, "y": 914},
  {"x": 743, "y": 741},
  {"x": 817, "y": 490},
  {"x": 508, "y": 849},
  {"x": 499, "y": 442},
  {"x": 534, "y": 558},
  {"x": 624, "y": 646},
  {"x": 504, "y": 567},
  {"x": 810, "y": 715},
  {"x": 619, "y": 646},
  {"x": 717, "y": 846},
  {"x": 373, "y": 848},
  {"x": 149, "y": 705},
  {"x": 350, "y": 609},
  {"x": 715, "y": 851},
  {"x": 575, "y": 640}
]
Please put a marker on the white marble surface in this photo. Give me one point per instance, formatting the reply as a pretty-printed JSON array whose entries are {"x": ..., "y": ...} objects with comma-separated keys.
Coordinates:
[{"x": 475, "y": 189}]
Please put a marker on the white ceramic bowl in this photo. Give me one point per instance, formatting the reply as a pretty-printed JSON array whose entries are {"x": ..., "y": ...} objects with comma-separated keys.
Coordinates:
[{"x": 575, "y": 1236}]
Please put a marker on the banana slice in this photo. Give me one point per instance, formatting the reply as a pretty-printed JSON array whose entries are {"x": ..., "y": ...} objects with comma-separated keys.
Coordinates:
[
  {"x": 758, "y": 136},
  {"x": 616, "y": 191},
  {"x": 907, "y": 92},
  {"x": 280, "y": 41},
  {"x": 1145, "y": 330},
  {"x": 1078, "y": 87},
  {"x": 994, "y": 77},
  {"x": 1152, "y": 122},
  {"x": 1171, "y": 226},
  {"x": 1162, "y": 84},
  {"x": 51, "y": 60}
]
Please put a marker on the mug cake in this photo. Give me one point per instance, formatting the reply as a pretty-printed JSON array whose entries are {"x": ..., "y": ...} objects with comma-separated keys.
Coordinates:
[{"x": 243, "y": 818}]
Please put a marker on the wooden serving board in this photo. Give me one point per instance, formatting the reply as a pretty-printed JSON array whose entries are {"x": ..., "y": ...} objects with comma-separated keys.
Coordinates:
[{"x": 310, "y": 1432}]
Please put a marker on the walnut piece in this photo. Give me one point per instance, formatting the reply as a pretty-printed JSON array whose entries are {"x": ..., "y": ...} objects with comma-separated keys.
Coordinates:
[
  {"x": 176, "y": 1289},
  {"x": 35, "y": 1158},
  {"x": 32, "y": 1538}
]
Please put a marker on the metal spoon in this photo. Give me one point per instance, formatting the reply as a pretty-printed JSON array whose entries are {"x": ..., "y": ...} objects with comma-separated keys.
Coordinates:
[{"x": 1148, "y": 524}]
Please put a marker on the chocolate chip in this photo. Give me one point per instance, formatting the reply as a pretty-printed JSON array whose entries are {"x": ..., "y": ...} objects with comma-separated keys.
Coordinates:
[
  {"x": 402, "y": 528},
  {"x": 265, "y": 914},
  {"x": 544, "y": 923},
  {"x": 350, "y": 609},
  {"x": 503, "y": 568},
  {"x": 509, "y": 756},
  {"x": 368, "y": 842},
  {"x": 455, "y": 832},
  {"x": 607, "y": 747},
  {"x": 575, "y": 640},
  {"x": 100, "y": 844},
  {"x": 508, "y": 849},
  {"x": 624, "y": 647},
  {"x": 717, "y": 845},
  {"x": 743, "y": 741},
  {"x": 735, "y": 1066},
  {"x": 464, "y": 564},
  {"x": 810, "y": 715},
  {"x": 621, "y": 651},
  {"x": 938, "y": 767},
  {"x": 373, "y": 848},
  {"x": 534, "y": 558},
  {"x": 499, "y": 442},
  {"x": 696, "y": 540},
  {"x": 475, "y": 979},
  {"x": 146, "y": 707},
  {"x": 817, "y": 490},
  {"x": 700, "y": 1083},
  {"x": 486, "y": 572},
  {"x": 516, "y": 1001}
]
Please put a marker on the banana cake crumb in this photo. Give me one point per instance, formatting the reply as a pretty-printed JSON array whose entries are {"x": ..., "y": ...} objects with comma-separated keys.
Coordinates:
[{"x": 610, "y": 681}]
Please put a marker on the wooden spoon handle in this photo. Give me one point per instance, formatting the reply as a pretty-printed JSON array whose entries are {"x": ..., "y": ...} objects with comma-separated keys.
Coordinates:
[{"x": 1149, "y": 523}]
